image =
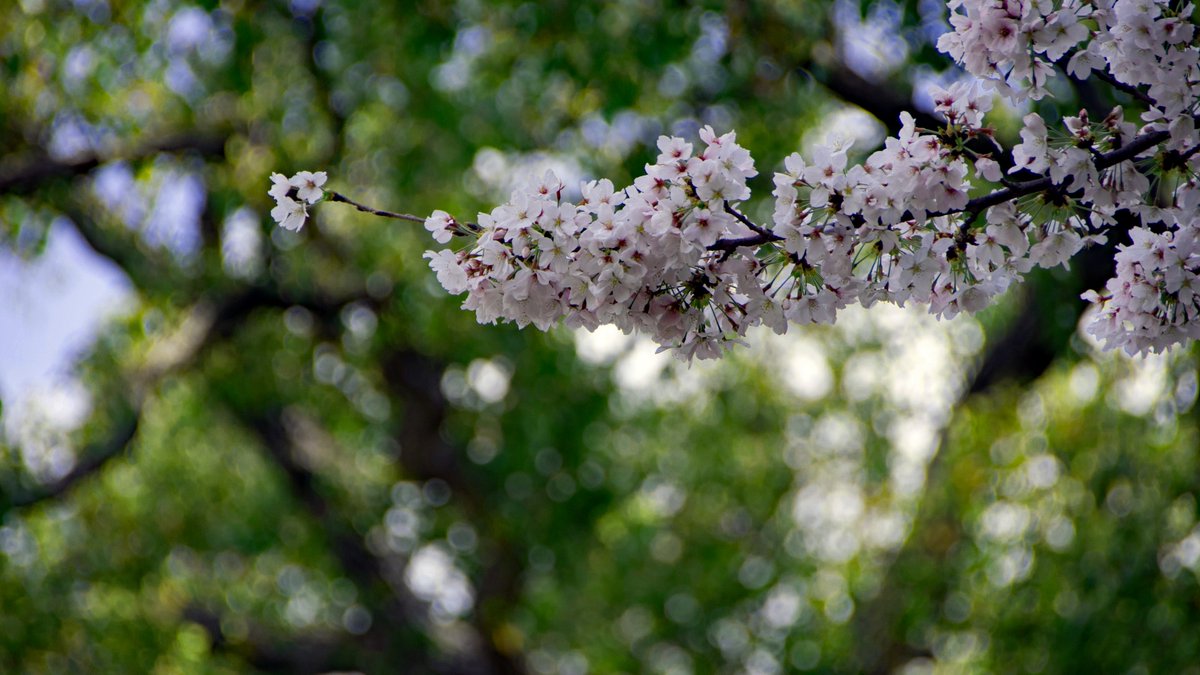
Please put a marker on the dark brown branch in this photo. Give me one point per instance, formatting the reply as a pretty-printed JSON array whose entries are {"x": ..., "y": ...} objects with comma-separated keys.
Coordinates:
[
  {"x": 884, "y": 100},
  {"x": 316, "y": 32},
  {"x": 197, "y": 334},
  {"x": 147, "y": 271},
  {"x": 368, "y": 571},
  {"x": 729, "y": 245},
  {"x": 1140, "y": 95},
  {"x": 1112, "y": 158},
  {"x": 358, "y": 562},
  {"x": 336, "y": 197},
  {"x": 414, "y": 379},
  {"x": 1185, "y": 156},
  {"x": 886, "y": 103},
  {"x": 741, "y": 217}
]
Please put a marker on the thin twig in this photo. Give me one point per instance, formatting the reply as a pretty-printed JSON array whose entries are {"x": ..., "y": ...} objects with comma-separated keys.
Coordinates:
[
  {"x": 744, "y": 220},
  {"x": 332, "y": 196},
  {"x": 91, "y": 459},
  {"x": 1107, "y": 78}
]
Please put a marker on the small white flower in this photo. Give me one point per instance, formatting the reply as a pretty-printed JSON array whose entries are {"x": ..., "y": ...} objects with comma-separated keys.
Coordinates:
[
  {"x": 989, "y": 169},
  {"x": 280, "y": 186},
  {"x": 450, "y": 273},
  {"x": 441, "y": 225},
  {"x": 290, "y": 214},
  {"x": 308, "y": 185}
]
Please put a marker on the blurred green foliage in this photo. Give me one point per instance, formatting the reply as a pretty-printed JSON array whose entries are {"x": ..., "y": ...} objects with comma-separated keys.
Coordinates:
[{"x": 336, "y": 468}]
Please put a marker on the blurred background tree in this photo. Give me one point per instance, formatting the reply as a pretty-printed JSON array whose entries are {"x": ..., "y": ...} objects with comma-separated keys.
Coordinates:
[{"x": 287, "y": 452}]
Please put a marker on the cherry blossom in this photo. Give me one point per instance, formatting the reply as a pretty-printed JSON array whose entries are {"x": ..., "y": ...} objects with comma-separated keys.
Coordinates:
[
  {"x": 293, "y": 196},
  {"x": 308, "y": 185},
  {"x": 672, "y": 256}
]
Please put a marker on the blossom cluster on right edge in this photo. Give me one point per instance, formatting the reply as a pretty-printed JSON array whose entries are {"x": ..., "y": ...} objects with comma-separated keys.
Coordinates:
[{"x": 671, "y": 255}]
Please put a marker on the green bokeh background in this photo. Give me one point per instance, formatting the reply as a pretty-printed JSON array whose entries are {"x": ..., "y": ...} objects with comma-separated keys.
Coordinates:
[{"x": 340, "y": 470}]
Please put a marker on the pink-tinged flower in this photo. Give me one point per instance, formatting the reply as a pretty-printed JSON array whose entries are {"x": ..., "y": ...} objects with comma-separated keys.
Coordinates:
[
  {"x": 989, "y": 169},
  {"x": 441, "y": 225},
  {"x": 450, "y": 273},
  {"x": 1030, "y": 154}
]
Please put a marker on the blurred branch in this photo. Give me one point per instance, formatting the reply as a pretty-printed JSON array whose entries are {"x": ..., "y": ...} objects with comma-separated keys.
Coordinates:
[
  {"x": 885, "y": 100},
  {"x": 367, "y": 568},
  {"x": 204, "y": 324},
  {"x": 316, "y": 32},
  {"x": 416, "y": 379},
  {"x": 146, "y": 271},
  {"x": 1049, "y": 311},
  {"x": 213, "y": 319},
  {"x": 882, "y": 99},
  {"x": 360, "y": 564},
  {"x": 169, "y": 355},
  {"x": 22, "y": 176},
  {"x": 93, "y": 457},
  {"x": 307, "y": 655}
]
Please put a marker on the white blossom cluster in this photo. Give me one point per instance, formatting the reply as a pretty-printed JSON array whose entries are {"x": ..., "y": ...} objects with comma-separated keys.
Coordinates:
[
  {"x": 1137, "y": 43},
  {"x": 1154, "y": 300},
  {"x": 1018, "y": 43},
  {"x": 1149, "y": 47},
  {"x": 673, "y": 257},
  {"x": 882, "y": 230},
  {"x": 294, "y": 195},
  {"x": 640, "y": 258},
  {"x": 1151, "y": 43},
  {"x": 1015, "y": 42},
  {"x": 663, "y": 256}
]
